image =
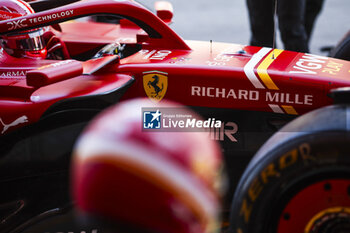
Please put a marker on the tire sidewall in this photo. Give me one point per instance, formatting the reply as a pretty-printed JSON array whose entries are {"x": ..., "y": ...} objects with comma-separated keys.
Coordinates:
[
  {"x": 342, "y": 50},
  {"x": 267, "y": 186}
]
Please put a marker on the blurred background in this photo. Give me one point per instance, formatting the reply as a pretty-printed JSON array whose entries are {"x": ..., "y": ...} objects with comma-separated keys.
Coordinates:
[{"x": 227, "y": 21}]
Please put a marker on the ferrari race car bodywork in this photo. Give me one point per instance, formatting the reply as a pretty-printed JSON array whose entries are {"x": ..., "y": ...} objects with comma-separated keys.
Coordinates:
[{"x": 44, "y": 104}]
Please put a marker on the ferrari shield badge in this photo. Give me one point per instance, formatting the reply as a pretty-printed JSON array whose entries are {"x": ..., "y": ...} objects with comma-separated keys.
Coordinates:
[{"x": 155, "y": 84}]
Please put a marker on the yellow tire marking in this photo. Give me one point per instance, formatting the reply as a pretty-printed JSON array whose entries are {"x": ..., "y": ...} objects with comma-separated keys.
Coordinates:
[
  {"x": 289, "y": 109},
  {"x": 262, "y": 69}
]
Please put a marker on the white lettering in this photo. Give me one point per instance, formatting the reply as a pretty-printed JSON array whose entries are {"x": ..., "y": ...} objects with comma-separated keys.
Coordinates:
[
  {"x": 218, "y": 93},
  {"x": 12, "y": 73},
  {"x": 51, "y": 16},
  {"x": 208, "y": 91},
  {"x": 199, "y": 124},
  {"x": 243, "y": 94},
  {"x": 232, "y": 94},
  {"x": 224, "y": 130},
  {"x": 160, "y": 55},
  {"x": 308, "y": 99},
  {"x": 287, "y": 98},
  {"x": 17, "y": 24},
  {"x": 195, "y": 91},
  {"x": 271, "y": 98},
  {"x": 224, "y": 93},
  {"x": 190, "y": 123},
  {"x": 253, "y": 95},
  {"x": 308, "y": 64}
]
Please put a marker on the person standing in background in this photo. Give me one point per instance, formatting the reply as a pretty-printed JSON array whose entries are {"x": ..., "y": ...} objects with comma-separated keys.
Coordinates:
[{"x": 296, "y": 19}]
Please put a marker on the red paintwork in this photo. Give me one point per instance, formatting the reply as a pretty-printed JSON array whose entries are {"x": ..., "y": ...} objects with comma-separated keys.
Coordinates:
[
  {"x": 197, "y": 72},
  {"x": 54, "y": 73},
  {"x": 218, "y": 66}
]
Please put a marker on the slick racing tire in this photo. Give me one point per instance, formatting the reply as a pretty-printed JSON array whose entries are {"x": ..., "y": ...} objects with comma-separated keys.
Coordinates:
[
  {"x": 299, "y": 181},
  {"x": 342, "y": 50}
]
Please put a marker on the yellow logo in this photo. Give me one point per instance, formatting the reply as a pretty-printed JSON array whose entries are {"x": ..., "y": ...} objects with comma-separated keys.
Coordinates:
[{"x": 155, "y": 84}]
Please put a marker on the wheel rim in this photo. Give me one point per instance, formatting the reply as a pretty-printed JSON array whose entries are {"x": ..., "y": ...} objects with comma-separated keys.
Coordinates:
[
  {"x": 322, "y": 207},
  {"x": 336, "y": 219}
]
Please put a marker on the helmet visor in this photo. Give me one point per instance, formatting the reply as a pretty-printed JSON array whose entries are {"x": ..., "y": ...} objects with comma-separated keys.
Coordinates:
[
  {"x": 31, "y": 44},
  {"x": 26, "y": 41},
  {"x": 34, "y": 41}
]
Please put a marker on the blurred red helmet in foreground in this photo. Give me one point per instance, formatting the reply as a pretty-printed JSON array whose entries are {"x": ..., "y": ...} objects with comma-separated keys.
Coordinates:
[{"x": 151, "y": 181}]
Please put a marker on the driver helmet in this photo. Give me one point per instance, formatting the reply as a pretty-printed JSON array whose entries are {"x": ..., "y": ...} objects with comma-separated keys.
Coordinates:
[
  {"x": 29, "y": 43},
  {"x": 164, "y": 182}
]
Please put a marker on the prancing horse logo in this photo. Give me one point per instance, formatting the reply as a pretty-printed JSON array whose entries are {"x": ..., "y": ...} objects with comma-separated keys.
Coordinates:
[
  {"x": 155, "y": 84},
  {"x": 20, "y": 120}
]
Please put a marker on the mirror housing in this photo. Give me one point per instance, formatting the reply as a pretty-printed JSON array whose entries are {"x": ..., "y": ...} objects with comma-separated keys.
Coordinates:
[
  {"x": 164, "y": 11},
  {"x": 53, "y": 73}
]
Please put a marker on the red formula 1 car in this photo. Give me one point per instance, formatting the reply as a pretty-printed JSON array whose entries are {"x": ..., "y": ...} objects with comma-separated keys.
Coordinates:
[{"x": 297, "y": 182}]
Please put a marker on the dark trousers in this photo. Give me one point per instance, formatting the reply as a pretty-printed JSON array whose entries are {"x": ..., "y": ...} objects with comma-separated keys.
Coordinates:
[{"x": 295, "y": 20}]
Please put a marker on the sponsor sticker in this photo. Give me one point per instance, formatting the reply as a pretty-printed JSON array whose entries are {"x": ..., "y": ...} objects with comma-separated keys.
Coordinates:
[
  {"x": 155, "y": 54},
  {"x": 56, "y": 64},
  {"x": 176, "y": 60},
  {"x": 17, "y": 24},
  {"x": 252, "y": 95},
  {"x": 19, "y": 120},
  {"x": 10, "y": 74},
  {"x": 52, "y": 16},
  {"x": 309, "y": 64}
]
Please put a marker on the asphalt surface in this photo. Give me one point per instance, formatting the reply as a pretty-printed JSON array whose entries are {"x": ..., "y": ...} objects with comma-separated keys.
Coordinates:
[{"x": 227, "y": 21}]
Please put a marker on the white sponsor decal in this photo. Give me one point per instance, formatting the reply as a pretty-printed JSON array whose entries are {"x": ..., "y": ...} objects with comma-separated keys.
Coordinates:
[
  {"x": 226, "y": 130},
  {"x": 61, "y": 63},
  {"x": 13, "y": 74},
  {"x": 175, "y": 60},
  {"x": 56, "y": 64},
  {"x": 23, "y": 22},
  {"x": 155, "y": 54},
  {"x": 7, "y": 74},
  {"x": 20, "y": 120},
  {"x": 224, "y": 93},
  {"x": 223, "y": 57},
  {"x": 287, "y": 98},
  {"x": 308, "y": 64},
  {"x": 17, "y": 24},
  {"x": 215, "y": 63},
  {"x": 51, "y": 16},
  {"x": 252, "y": 95},
  {"x": 4, "y": 16}
]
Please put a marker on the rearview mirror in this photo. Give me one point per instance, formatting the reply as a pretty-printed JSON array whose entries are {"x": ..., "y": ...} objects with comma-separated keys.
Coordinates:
[{"x": 164, "y": 10}]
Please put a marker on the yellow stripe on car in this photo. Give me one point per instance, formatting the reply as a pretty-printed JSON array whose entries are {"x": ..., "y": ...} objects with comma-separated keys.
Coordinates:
[
  {"x": 262, "y": 69},
  {"x": 289, "y": 109}
]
